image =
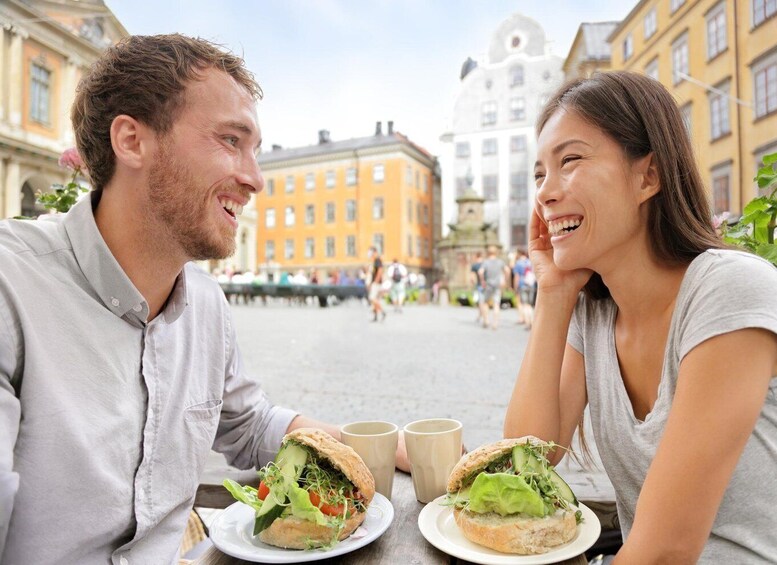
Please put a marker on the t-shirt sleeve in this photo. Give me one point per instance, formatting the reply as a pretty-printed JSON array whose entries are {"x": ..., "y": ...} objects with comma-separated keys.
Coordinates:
[
  {"x": 575, "y": 332},
  {"x": 735, "y": 291}
]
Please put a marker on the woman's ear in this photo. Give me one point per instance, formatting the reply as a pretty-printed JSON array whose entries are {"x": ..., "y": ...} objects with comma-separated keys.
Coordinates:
[
  {"x": 129, "y": 139},
  {"x": 649, "y": 180}
]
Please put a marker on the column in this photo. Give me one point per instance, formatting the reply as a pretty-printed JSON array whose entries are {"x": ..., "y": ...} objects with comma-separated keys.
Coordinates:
[
  {"x": 67, "y": 95},
  {"x": 3, "y": 83},
  {"x": 2, "y": 188},
  {"x": 13, "y": 190},
  {"x": 16, "y": 76}
]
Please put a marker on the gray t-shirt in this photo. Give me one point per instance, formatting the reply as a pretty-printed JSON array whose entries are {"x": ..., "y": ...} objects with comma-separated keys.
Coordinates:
[
  {"x": 722, "y": 291},
  {"x": 493, "y": 272}
]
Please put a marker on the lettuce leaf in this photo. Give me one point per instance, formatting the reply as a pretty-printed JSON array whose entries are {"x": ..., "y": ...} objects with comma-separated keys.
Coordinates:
[
  {"x": 301, "y": 507},
  {"x": 505, "y": 493},
  {"x": 244, "y": 494}
]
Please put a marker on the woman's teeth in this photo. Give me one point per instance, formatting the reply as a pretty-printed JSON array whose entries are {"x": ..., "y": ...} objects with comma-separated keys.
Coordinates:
[{"x": 557, "y": 227}]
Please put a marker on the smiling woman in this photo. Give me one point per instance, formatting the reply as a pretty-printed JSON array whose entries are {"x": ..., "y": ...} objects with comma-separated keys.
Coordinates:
[{"x": 667, "y": 315}]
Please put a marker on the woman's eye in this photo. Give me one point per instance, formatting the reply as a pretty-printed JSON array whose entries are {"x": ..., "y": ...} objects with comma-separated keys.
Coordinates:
[
  {"x": 538, "y": 177},
  {"x": 569, "y": 159}
]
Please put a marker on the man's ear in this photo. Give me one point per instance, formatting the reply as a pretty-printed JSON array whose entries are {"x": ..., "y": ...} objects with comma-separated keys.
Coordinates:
[
  {"x": 130, "y": 141},
  {"x": 649, "y": 179}
]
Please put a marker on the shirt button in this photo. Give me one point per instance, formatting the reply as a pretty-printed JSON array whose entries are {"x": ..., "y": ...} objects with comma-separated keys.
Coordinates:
[
  {"x": 115, "y": 302},
  {"x": 123, "y": 561},
  {"x": 137, "y": 308}
]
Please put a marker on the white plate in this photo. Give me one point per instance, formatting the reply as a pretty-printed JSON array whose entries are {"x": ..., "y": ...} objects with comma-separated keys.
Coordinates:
[
  {"x": 439, "y": 528},
  {"x": 232, "y": 533}
]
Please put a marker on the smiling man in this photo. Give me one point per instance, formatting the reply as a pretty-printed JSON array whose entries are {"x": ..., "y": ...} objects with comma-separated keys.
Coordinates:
[{"x": 119, "y": 368}]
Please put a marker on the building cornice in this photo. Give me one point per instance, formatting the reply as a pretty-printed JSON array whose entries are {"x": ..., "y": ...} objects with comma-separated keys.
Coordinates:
[{"x": 268, "y": 163}]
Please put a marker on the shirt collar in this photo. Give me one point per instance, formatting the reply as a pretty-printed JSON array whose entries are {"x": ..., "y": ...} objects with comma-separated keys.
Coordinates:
[{"x": 104, "y": 273}]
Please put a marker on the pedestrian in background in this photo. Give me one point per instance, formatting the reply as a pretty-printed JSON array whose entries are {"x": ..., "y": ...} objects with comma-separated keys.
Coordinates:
[
  {"x": 493, "y": 274},
  {"x": 524, "y": 281},
  {"x": 376, "y": 285},
  {"x": 397, "y": 273},
  {"x": 477, "y": 287}
]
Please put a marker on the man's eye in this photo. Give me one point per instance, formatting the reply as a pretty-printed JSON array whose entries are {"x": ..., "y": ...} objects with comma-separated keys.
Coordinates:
[{"x": 231, "y": 139}]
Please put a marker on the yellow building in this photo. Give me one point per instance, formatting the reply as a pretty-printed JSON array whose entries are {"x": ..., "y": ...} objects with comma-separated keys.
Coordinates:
[
  {"x": 324, "y": 205},
  {"x": 590, "y": 50},
  {"x": 45, "y": 47},
  {"x": 719, "y": 58}
]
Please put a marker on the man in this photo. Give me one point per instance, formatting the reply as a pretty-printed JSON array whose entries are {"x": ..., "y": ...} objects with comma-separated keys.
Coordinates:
[
  {"x": 398, "y": 276},
  {"x": 376, "y": 285},
  {"x": 492, "y": 273},
  {"x": 477, "y": 289},
  {"x": 119, "y": 368}
]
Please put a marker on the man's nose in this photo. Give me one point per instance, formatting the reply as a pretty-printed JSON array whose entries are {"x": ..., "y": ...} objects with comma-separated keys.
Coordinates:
[{"x": 250, "y": 175}]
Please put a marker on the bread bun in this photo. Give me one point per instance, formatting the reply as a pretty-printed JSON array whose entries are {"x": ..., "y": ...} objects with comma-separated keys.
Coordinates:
[
  {"x": 291, "y": 532},
  {"x": 518, "y": 533},
  {"x": 478, "y": 459},
  {"x": 296, "y": 533}
]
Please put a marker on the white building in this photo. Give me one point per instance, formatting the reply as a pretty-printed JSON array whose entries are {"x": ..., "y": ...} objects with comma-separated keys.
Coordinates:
[{"x": 490, "y": 143}]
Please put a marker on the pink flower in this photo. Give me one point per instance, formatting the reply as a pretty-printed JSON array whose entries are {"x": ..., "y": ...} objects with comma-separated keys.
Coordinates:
[
  {"x": 70, "y": 159},
  {"x": 719, "y": 219}
]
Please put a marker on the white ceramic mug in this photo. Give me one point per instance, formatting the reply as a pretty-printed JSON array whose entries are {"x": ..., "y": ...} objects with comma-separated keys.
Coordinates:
[
  {"x": 376, "y": 444},
  {"x": 433, "y": 448}
]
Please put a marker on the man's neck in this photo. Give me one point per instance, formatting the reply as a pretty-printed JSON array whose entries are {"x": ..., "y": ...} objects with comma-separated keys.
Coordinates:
[{"x": 145, "y": 257}]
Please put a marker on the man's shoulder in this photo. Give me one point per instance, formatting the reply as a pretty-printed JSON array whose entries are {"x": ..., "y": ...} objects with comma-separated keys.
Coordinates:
[
  {"x": 199, "y": 281},
  {"x": 32, "y": 237}
]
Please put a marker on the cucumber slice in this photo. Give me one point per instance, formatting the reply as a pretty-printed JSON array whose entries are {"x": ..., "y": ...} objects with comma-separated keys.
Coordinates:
[
  {"x": 525, "y": 459},
  {"x": 291, "y": 461},
  {"x": 263, "y": 522}
]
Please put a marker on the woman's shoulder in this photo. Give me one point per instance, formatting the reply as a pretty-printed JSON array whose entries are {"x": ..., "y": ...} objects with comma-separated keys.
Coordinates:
[{"x": 741, "y": 269}]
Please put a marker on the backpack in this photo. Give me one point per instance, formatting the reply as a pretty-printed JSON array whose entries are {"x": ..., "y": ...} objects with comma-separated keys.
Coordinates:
[{"x": 396, "y": 275}]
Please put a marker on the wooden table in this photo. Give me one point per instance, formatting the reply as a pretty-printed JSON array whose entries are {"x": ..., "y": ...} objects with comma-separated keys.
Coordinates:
[{"x": 401, "y": 544}]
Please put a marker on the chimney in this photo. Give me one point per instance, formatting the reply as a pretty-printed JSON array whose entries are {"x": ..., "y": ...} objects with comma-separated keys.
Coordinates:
[
  {"x": 323, "y": 136},
  {"x": 378, "y": 128},
  {"x": 276, "y": 147},
  {"x": 390, "y": 127}
]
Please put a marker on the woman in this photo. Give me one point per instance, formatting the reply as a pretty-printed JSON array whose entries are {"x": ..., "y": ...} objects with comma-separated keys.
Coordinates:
[{"x": 673, "y": 344}]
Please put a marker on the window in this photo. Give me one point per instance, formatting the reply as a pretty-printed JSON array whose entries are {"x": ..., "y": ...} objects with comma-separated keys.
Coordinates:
[
  {"x": 269, "y": 218},
  {"x": 410, "y": 246},
  {"x": 628, "y": 47},
  {"x": 289, "y": 184},
  {"x": 269, "y": 251},
  {"x": 350, "y": 210},
  {"x": 763, "y": 10},
  {"x": 516, "y": 75},
  {"x": 409, "y": 175},
  {"x": 488, "y": 113},
  {"x": 310, "y": 248},
  {"x": 425, "y": 243},
  {"x": 289, "y": 220},
  {"x": 377, "y": 209},
  {"x": 350, "y": 245},
  {"x": 330, "y": 246},
  {"x": 288, "y": 250},
  {"x": 489, "y": 146},
  {"x": 426, "y": 215},
  {"x": 490, "y": 187},
  {"x": 378, "y": 173},
  {"x": 310, "y": 214},
  {"x": 350, "y": 176},
  {"x": 518, "y": 144},
  {"x": 716, "y": 30},
  {"x": 418, "y": 246},
  {"x": 462, "y": 150},
  {"x": 517, "y": 109},
  {"x": 310, "y": 181},
  {"x": 418, "y": 212},
  {"x": 680, "y": 58},
  {"x": 651, "y": 70},
  {"x": 269, "y": 187},
  {"x": 685, "y": 111},
  {"x": 377, "y": 242},
  {"x": 719, "y": 119},
  {"x": 426, "y": 182},
  {"x": 765, "y": 80},
  {"x": 40, "y": 81},
  {"x": 519, "y": 186},
  {"x": 330, "y": 212},
  {"x": 417, "y": 180},
  {"x": 674, "y": 5},
  {"x": 518, "y": 235},
  {"x": 721, "y": 188},
  {"x": 650, "y": 23},
  {"x": 330, "y": 179},
  {"x": 409, "y": 211}
]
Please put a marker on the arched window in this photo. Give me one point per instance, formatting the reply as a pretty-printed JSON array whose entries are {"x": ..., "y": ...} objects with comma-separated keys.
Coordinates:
[
  {"x": 30, "y": 206},
  {"x": 516, "y": 75}
]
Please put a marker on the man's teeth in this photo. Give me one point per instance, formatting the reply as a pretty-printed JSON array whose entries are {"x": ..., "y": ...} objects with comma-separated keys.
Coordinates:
[
  {"x": 557, "y": 227},
  {"x": 231, "y": 206}
]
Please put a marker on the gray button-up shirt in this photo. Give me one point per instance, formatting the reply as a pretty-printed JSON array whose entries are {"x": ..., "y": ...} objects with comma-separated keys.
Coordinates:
[{"x": 106, "y": 420}]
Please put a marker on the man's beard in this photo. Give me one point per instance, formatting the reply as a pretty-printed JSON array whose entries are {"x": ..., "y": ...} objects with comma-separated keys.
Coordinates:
[{"x": 179, "y": 211}]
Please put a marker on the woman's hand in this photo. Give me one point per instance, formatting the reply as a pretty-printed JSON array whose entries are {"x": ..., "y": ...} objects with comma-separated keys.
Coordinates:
[{"x": 549, "y": 276}]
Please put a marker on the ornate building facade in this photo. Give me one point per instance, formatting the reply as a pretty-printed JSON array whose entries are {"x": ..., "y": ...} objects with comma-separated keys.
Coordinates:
[{"x": 45, "y": 47}]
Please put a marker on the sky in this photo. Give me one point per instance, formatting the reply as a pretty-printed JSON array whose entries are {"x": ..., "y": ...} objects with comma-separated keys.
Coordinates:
[{"x": 343, "y": 65}]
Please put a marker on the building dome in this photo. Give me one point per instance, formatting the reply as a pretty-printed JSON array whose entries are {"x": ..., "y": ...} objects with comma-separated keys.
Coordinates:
[{"x": 517, "y": 34}]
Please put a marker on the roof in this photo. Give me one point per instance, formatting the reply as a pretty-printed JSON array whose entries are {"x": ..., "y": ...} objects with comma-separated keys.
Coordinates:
[
  {"x": 595, "y": 36},
  {"x": 348, "y": 145}
]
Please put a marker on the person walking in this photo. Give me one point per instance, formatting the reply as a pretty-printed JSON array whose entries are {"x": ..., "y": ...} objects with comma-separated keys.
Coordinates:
[
  {"x": 524, "y": 288},
  {"x": 376, "y": 285},
  {"x": 397, "y": 273},
  {"x": 477, "y": 287},
  {"x": 493, "y": 274}
]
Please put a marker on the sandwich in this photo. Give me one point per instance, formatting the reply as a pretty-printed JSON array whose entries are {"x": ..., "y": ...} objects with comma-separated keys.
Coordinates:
[
  {"x": 313, "y": 495},
  {"x": 507, "y": 497}
]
